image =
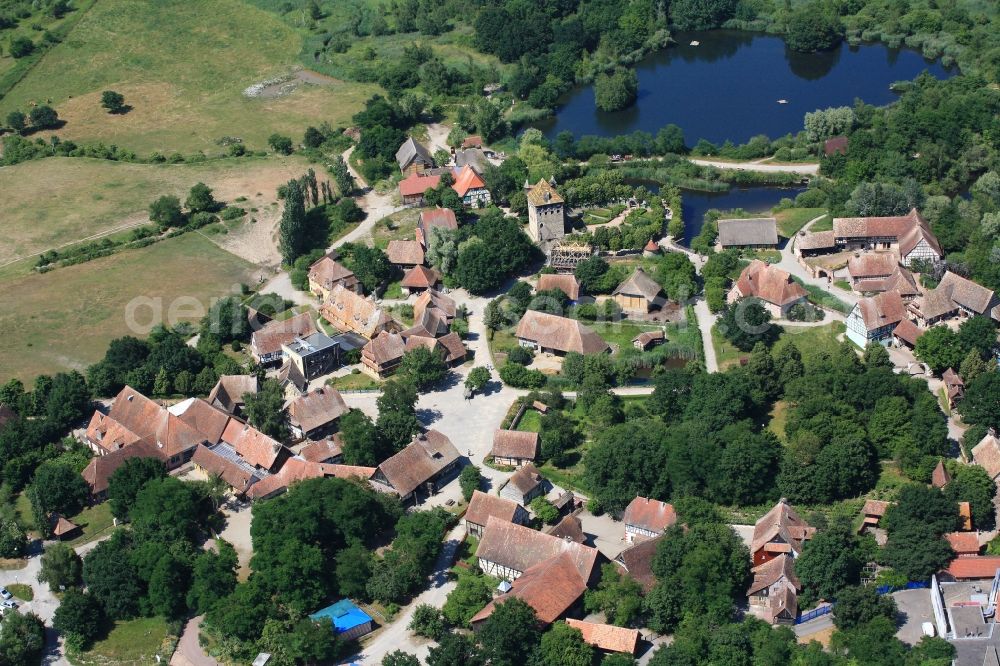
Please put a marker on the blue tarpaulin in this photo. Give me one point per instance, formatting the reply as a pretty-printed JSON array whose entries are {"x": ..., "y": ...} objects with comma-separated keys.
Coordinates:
[{"x": 344, "y": 615}]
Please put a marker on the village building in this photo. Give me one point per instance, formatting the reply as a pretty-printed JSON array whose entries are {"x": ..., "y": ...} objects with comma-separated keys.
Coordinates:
[
  {"x": 483, "y": 506},
  {"x": 472, "y": 141},
  {"x": 772, "y": 286},
  {"x": 419, "y": 279},
  {"x": 266, "y": 342},
  {"x": 650, "y": 249},
  {"x": 987, "y": 454},
  {"x": 964, "y": 516},
  {"x": 954, "y": 386},
  {"x": 524, "y": 485},
  {"x": 297, "y": 469},
  {"x": 423, "y": 465},
  {"x": 977, "y": 567},
  {"x": 649, "y": 339},
  {"x": 352, "y": 313},
  {"x": 646, "y": 518},
  {"x": 873, "y": 273},
  {"x": 639, "y": 294},
  {"x": 405, "y": 253},
  {"x": 434, "y": 302},
  {"x": 312, "y": 356},
  {"x": 470, "y": 187},
  {"x": 909, "y": 236},
  {"x": 551, "y": 333},
  {"x": 546, "y": 215},
  {"x": 215, "y": 462},
  {"x": 954, "y": 296},
  {"x": 570, "y": 528},
  {"x": 514, "y": 447},
  {"x": 871, "y": 514},
  {"x": 326, "y": 273},
  {"x": 413, "y": 158},
  {"x": 567, "y": 283},
  {"x": 383, "y": 354},
  {"x": 940, "y": 476},
  {"x": 637, "y": 563},
  {"x": 965, "y": 544},
  {"x": 347, "y": 620},
  {"x": 756, "y": 233},
  {"x": 507, "y": 550},
  {"x": 607, "y": 637},
  {"x": 773, "y": 595},
  {"x": 473, "y": 157},
  {"x": 413, "y": 188},
  {"x": 327, "y": 450},
  {"x": 435, "y": 218},
  {"x": 552, "y": 588},
  {"x": 63, "y": 529},
  {"x": 906, "y": 334},
  {"x": 432, "y": 323},
  {"x": 315, "y": 414},
  {"x": 449, "y": 346},
  {"x": 251, "y": 445},
  {"x": 815, "y": 243},
  {"x": 779, "y": 531},
  {"x": 99, "y": 469},
  {"x": 874, "y": 318},
  {"x": 228, "y": 393}
]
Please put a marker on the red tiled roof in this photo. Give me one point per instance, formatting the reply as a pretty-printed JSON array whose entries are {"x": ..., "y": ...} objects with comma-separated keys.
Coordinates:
[
  {"x": 769, "y": 573},
  {"x": 253, "y": 446},
  {"x": 405, "y": 252},
  {"x": 416, "y": 184},
  {"x": 769, "y": 283},
  {"x": 99, "y": 470},
  {"x": 317, "y": 408},
  {"x": 607, "y": 636},
  {"x": 519, "y": 548},
  {"x": 564, "y": 282},
  {"x": 649, "y": 514},
  {"x": 875, "y": 508},
  {"x": 385, "y": 348},
  {"x": 323, "y": 450},
  {"x": 908, "y": 331},
  {"x": 467, "y": 179},
  {"x": 63, "y": 526},
  {"x": 784, "y": 524},
  {"x": 420, "y": 277},
  {"x": 885, "y": 309},
  {"x": 473, "y": 141},
  {"x": 210, "y": 421},
  {"x": 963, "y": 543},
  {"x": 453, "y": 346},
  {"x": 328, "y": 272},
  {"x": 550, "y": 587},
  {"x": 973, "y": 567},
  {"x": 269, "y": 339}
]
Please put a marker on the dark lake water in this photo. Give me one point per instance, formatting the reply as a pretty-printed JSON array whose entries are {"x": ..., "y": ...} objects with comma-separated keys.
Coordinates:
[{"x": 729, "y": 87}]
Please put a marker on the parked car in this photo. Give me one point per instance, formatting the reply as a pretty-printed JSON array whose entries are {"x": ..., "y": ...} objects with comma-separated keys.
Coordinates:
[
  {"x": 8, "y": 604},
  {"x": 4, "y": 593}
]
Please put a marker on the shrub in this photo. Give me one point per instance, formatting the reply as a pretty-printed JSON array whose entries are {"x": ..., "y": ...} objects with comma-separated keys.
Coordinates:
[
  {"x": 521, "y": 355},
  {"x": 519, "y": 376}
]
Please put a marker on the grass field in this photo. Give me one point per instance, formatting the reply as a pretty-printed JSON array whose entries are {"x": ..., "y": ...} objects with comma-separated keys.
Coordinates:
[
  {"x": 21, "y": 591},
  {"x": 531, "y": 421},
  {"x": 94, "y": 521},
  {"x": 812, "y": 340},
  {"x": 183, "y": 67},
  {"x": 793, "y": 219},
  {"x": 129, "y": 642},
  {"x": 65, "y": 318},
  {"x": 778, "y": 418},
  {"x": 96, "y": 196},
  {"x": 398, "y": 226},
  {"x": 826, "y": 224}
]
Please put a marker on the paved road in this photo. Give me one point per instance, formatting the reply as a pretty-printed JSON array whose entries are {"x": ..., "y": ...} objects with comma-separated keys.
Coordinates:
[{"x": 809, "y": 168}]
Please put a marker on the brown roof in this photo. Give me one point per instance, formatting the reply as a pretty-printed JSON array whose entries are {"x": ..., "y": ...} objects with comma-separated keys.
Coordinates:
[
  {"x": 433, "y": 299},
  {"x": 559, "y": 333},
  {"x": 908, "y": 331},
  {"x": 974, "y": 567},
  {"x": 640, "y": 284},
  {"x": 61, "y": 526},
  {"x": 417, "y": 183},
  {"x": 136, "y": 414},
  {"x": 769, "y": 573},
  {"x": 108, "y": 433},
  {"x": 817, "y": 240},
  {"x": 347, "y": 310},
  {"x": 297, "y": 469},
  {"x": 908, "y": 230},
  {"x": 649, "y": 336},
  {"x": 453, "y": 346},
  {"x": 526, "y": 479},
  {"x": 210, "y": 421},
  {"x": 482, "y": 506},
  {"x": 327, "y": 272},
  {"x": 443, "y": 218},
  {"x": 467, "y": 179},
  {"x": 385, "y": 348},
  {"x": 550, "y": 587},
  {"x": 940, "y": 477},
  {"x": 649, "y": 514},
  {"x": 963, "y": 543},
  {"x": 275, "y": 333},
  {"x": 638, "y": 562},
  {"x": 236, "y": 476},
  {"x": 317, "y": 408},
  {"x": 749, "y": 231},
  {"x": 473, "y": 141},
  {"x": 407, "y": 252},
  {"x": 607, "y": 636},
  {"x": 570, "y": 527},
  {"x": 966, "y": 293},
  {"x": 323, "y": 450},
  {"x": 769, "y": 283},
  {"x": 871, "y": 264},
  {"x": 99, "y": 470},
  {"x": 783, "y": 525},
  {"x": 520, "y": 548},
  {"x": 885, "y": 309},
  {"x": 419, "y": 462},
  {"x": 952, "y": 378},
  {"x": 420, "y": 277},
  {"x": 875, "y": 508},
  {"x": 515, "y": 444},
  {"x": 253, "y": 446},
  {"x": 411, "y": 150},
  {"x": 543, "y": 194},
  {"x": 230, "y": 389},
  {"x": 564, "y": 282},
  {"x": 987, "y": 454},
  {"x": 651, "y": 246}
]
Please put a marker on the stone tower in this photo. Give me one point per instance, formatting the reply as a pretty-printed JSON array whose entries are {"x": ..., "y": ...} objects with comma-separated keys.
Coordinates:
[{"x": 546, "y": 217}]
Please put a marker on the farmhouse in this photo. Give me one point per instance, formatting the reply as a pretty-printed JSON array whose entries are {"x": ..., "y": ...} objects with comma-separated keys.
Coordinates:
[
  {"x": 514, "y": 447},
  {"x": 753, "y": 233},
  {"x": 607, "y": 637},
  {"x": 773, "y": 595},
  {"x": 436, "y": 218},
  {"x": 449, "y": 346},
  {"x": 551, "y": 333},
  {"x": 326, "y": 273},
  {"x": 508, "y": 550},
  {"x": 484, "y": 506},
  {"x": 413, "y": 187},
  {"x": 566, "y": 283},
  {"x": 639, "y": 294},
  {"x": 908, "y": 235},
  {"x": 637, "y": 562},
  {"x": 98, "y": 471},
  {"x": 413, "y": 158},
  {"x": 405, "y": 253},
  {"x": 775, "y": 288},
  {"x": 546, "y": 217},
  {"x": 296, "y": 469},
  {"x": 524, "y": 485},
  {"x": 424, "y": 463},
  {"x": 327, "y": 450},
  {"x": 955, "y": 296},
  {"x": 419, "y": 279},
  {"x": 780, "y": 530},
  {"x": 987, "y": 454},
  {"x": 229, "y": 391},
  {"x": 383, "y": 354},
  {"x": 646, "y": 518},
  {"x": 815, "y": 243},
  {"x": 433, "y": 301},
  {"x": 237, "y": 473},
  {"x": 906, "y": 333},
  {"x": 874, "y": 318},
  {"x": 350, "y": 312},
  {"x": 265, "y": 343},
  {"x": 878, "y": 272},
  {"x": 315, "y": 414},
  {"x": 551, "y": 587},
  {"x": 470, "y": 187},
  {"x": 473, "y": 157}
]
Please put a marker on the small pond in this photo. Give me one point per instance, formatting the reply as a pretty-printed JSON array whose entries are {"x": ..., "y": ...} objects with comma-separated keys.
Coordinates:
[{"x": 729, "y": 87}]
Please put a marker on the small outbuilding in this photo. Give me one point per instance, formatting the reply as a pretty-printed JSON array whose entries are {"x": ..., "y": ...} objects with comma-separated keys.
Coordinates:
[{"x": 347, "y": 620}]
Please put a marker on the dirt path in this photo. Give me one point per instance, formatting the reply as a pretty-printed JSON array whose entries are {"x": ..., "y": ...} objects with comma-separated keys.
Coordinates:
[{"x": 810, "y": 168}]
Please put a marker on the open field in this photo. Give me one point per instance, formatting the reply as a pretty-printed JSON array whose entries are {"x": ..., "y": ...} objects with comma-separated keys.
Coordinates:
[
  {"x": 814, "y": 340},
  {"x": 183, "y": 67},
  {"x": 129, "y": 642},
  {"x": 793, "y": 219},
  {"x": 65, "y": 318},
  {"x": 97, "y": 196}
]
